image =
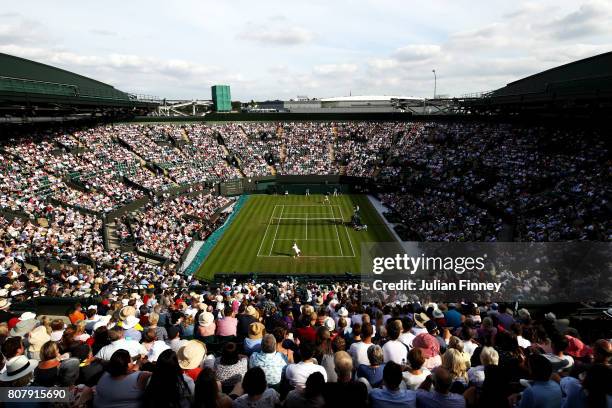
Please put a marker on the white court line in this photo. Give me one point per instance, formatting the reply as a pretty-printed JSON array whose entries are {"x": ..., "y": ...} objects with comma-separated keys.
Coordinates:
[
  {"x": 276, "y": 232},
  {"x": 337, "y": 234},
  {"x": 306, "y": 225},
  {"x": 347, "y": 234},
  {"x": 302, "y": 239},
  {"x": 266, "y": 233},
  {"x": 306, "y": 256}
]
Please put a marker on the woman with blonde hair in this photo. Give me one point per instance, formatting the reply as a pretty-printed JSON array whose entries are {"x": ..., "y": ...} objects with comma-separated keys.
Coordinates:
[
  {"x": 80, "y": 333},
  {"x": 47, "y": 373},
  {"x": 455, "y": 363}
]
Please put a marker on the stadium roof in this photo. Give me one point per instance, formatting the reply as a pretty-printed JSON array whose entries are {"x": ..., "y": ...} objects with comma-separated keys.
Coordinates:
[
  {"x": 26, "y": 81},
  {"x": 580, "y": 87}
]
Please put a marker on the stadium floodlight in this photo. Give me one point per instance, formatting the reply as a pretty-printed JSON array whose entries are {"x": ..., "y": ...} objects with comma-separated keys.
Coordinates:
[{"x": 435, "y": 82}]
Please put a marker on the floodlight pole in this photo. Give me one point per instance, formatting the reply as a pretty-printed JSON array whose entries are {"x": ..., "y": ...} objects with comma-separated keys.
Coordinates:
[{"x": 435, "y": 82}]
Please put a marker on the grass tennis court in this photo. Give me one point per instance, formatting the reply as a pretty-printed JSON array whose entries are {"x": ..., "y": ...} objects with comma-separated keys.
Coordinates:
[{"x": 261, "y": 236}]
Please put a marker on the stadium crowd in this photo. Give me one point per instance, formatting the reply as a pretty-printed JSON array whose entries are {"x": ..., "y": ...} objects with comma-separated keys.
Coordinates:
[
  {"x": 247, "y": 344},
  {"x": 166, "y": 227},
  {"x": 550, "y": 183}
]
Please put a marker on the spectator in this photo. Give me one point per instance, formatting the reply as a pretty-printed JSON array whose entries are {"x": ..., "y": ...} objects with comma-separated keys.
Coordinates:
[
  {"x": 122, "y": 384},
  {"x": 415, "y": 374},
  {"x": 391, "y": 395},
  {"x": 544, "y": 392},
  {"x": 310, "y": 396},
  {"x": 374, "y": 371},
  {"x": 231, "y": 366},
  {"x": 271, "y": 361},
  {"x": 440, "y": 396},
  {"x": 168, "y": 386},
  {"x": 297, "y": 374},
  {"x": 257, "y": 394},
  {"x": 208, "y": 391}
]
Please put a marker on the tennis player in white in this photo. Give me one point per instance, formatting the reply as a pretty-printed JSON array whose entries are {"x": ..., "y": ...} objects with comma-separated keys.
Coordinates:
[{"x": 296, "y": 250}]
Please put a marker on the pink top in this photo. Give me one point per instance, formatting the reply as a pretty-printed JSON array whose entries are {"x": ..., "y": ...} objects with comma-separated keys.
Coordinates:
[{"x": 227, "y": 326}]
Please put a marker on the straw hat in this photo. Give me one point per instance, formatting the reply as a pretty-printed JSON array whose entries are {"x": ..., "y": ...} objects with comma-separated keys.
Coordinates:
[
  {"x": 191, "y": 354},
  {"x": 206, "y": 319},
  {"x": 256, "y": 330},
  {"x": 38, "y": 337},
  {"x": 18, "y": 367},
  {"x": 127, "y": 311},
  {"x": 420, "y": 319},
  {"x": 4, "y": 304},
  {"x": 251, "y": 311}
]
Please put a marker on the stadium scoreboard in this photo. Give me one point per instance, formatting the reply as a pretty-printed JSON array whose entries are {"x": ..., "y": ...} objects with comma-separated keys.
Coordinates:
[{"x": 232, "y": 187}]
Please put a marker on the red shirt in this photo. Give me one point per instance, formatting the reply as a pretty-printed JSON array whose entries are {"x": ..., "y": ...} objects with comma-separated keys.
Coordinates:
[
  {"x": 193, "y": 373},
  {"x": 306, "y": 334}
]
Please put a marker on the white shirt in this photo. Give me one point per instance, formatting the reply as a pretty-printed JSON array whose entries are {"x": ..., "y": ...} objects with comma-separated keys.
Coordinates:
[
  {"x": 413, "y": 381},
  {"x": 132, "y": 346},
  {"x": 523, "y": 342},
  {"x": 297, "y": 374},
  {"x": 407, "y": 338},
  {"x": 359, "y": 352},
  {"x": 395, "y": 351}
]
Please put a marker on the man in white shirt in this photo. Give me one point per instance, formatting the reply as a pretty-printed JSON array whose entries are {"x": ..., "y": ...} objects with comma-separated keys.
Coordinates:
[
  {"x": 119, "y": 343},
  {"x": 407, "y": 336},
  {"x": 297, "y": 374},
  {"x": 394, "y": 350},
  {"x": 359, "y": 350}
]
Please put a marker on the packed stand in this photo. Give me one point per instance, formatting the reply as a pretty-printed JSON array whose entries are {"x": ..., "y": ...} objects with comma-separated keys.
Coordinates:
[{"x": 302, "y": 345}]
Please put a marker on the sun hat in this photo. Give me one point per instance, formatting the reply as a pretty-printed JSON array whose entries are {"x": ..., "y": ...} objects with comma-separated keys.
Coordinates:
[
  {"x": 23, "y": 327},
  {"x": 343, "y": 312},
  {"x": 420, "y": 319},
  {"x": 17, "y": 367},
  {"x": 329, "y": 324},
  {"x": 437, "y": 314},
  {"x": 37, "y": 338},
  {"x": 576, "y": 348},
  {"x": 191, "y": 354},
  {"x": 27, "y": 316},
  {"x": 256, "y": 330},
  {"x": 206, "y": 319},
  {"x": 127, "y": 311},
  {"x": 4, "y": 303},
  {"x": 251, "y": 311},
  {"x": 129, "y": 322},
  {"x": 428, "y": 344}
]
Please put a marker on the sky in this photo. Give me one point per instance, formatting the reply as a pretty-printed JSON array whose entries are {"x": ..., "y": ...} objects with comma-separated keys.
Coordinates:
[{"x": 271, "y": 49}]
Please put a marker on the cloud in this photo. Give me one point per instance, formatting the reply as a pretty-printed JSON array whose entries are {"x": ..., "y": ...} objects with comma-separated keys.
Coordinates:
[
  {"x": 102, "y": 32},
  {"x": 16, "y": 29},
  {"x": 287, "y": 36},
  {"x": 589, "y": 20},
  {"x": 416, "y": 52},
  {"x": 335, "y": 69}
]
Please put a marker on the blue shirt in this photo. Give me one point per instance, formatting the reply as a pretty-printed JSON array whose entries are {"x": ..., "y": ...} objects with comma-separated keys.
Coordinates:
[
  {"x": 373, "y": 375},
  {"x": 542, "y": 394},
  {"x": 434, "y": 399},
  {"x": 271, "y": 363},
  {"x": 383, "y": 398}
]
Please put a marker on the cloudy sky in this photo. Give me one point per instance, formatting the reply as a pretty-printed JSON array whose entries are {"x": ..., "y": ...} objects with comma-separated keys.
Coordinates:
[{"x": 270, "y": 49}]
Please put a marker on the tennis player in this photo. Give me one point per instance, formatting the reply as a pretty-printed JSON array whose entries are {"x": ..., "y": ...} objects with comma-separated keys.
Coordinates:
[{"x": 297, "y": 250}]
